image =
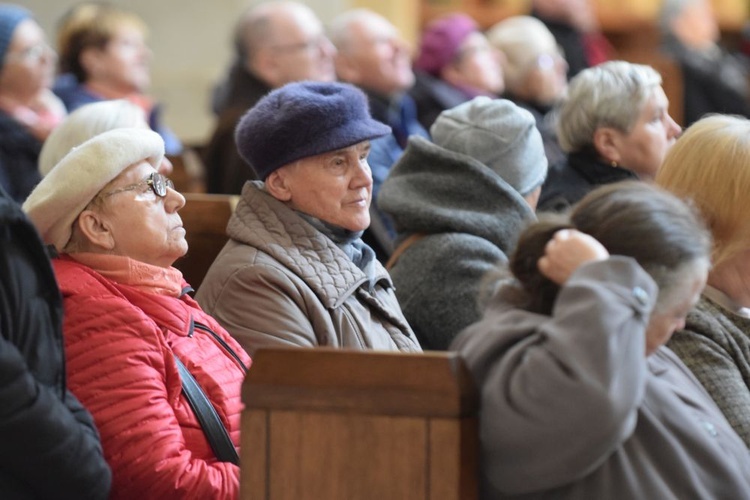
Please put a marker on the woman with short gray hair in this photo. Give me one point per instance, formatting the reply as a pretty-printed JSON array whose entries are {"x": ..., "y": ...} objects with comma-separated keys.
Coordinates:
[{"x": 614, "y": 124}]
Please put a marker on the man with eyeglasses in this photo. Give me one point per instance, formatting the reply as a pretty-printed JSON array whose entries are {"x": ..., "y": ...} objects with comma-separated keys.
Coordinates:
[
  {"x": 372, "y": 55},
  {"x": 28, "y": 109},
  {"x": 275, "y": 43}
]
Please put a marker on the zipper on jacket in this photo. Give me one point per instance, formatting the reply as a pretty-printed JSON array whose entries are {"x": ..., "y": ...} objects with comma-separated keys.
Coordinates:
[{"x": 221, "y": 342}]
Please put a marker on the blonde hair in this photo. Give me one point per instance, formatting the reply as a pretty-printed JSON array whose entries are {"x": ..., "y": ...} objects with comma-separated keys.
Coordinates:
[
  {"x": 522, "y": 39},
  {"x": 710, "y": 165},
  {"x": 90, "y": 25}
]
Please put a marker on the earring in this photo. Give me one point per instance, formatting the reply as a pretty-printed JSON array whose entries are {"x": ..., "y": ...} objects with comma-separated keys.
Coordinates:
[{"x": 613, "y": 164}]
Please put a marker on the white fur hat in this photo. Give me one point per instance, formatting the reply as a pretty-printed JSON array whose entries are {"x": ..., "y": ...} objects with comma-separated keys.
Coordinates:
[{"x": 61, "y": 196}]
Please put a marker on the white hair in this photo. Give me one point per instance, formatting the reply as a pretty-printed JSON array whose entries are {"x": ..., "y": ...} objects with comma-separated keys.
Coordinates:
[
  {"x": 522, "y": 39},
  {"x": 611, "y": 94}
]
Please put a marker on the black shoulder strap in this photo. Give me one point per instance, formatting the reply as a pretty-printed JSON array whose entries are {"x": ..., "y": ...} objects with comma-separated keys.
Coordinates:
[{"x": 217, "y": 434}]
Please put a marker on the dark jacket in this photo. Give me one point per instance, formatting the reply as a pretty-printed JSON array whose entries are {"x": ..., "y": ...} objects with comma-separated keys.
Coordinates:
[
  {"x": 545, "y": 123},
  {"x": 74, "y": 95},
  {"x": 50, "y": 447},
  {"x": 400, "y": 114},
  {"x": 714, "y": 81},
  {"x": 226, "y": 171},
  {"x": 571, "y": 180},
  {"x": 19, "y": 152},
  {"x": 470, "y": 218},
  {"x": 433, "y": 96}
]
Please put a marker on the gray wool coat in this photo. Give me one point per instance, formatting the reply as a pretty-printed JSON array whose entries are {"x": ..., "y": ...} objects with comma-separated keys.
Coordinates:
[
  {"x": 572, "y": 409},
  {"x": 471, "y": 218},
  {"x": 715, "y": 345},
  {"x": 281, "y": 282}
]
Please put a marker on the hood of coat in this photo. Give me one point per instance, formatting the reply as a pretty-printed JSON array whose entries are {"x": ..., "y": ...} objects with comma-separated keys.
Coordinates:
[{"x": 433, "y": 190}]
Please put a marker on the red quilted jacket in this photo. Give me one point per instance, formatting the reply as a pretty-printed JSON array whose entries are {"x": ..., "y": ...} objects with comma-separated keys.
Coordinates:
[{"x": 120, "y": 344}]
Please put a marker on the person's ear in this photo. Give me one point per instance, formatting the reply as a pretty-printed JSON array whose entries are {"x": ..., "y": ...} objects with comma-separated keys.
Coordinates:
[
  {"x": 346, "y": 69},
  {"x": 607, "y": 142},
  {"x": 277, "y": 185},
  {"x": 96, "y": 229}
]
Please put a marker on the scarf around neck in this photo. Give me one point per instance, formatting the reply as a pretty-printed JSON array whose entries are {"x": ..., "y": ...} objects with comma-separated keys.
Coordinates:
[
  {"x": 350, "y": 242},
  {"x": 126, "y": 271}
]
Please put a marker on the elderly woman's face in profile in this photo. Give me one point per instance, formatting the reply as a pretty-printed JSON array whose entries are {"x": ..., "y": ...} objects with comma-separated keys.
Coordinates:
[
  {"x": 644, "y": 147},
  {"x": 144, "y": 226}
]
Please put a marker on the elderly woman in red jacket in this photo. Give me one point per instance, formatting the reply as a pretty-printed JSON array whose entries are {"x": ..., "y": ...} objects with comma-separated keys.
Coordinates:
[{"x": 133, "y": 337}]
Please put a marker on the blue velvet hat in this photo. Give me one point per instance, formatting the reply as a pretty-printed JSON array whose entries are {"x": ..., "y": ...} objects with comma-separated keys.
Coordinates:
[
  {"x": 304, "y": 119},
  {"x": 10, "y": 17}
]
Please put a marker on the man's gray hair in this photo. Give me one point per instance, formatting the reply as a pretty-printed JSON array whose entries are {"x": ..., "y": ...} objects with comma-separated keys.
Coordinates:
[
  {"x": 611, "y": 94},
  {"x": 671, "y": 10},
  {"x": 339, "y": 30}
]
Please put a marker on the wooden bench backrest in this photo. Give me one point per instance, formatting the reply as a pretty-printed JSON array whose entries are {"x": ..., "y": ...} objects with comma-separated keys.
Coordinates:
[
  {"x": 351, "y": 425},
  {"x": 204, "y": 218},
  {"x": 188, "y": 172}
]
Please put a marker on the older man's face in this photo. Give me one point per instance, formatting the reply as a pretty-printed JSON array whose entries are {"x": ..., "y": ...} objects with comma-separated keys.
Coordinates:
[
  {"x": 375, "y": 58},
  {"x": 300, "y": 49},
  {"x": 335, "y": 187}
]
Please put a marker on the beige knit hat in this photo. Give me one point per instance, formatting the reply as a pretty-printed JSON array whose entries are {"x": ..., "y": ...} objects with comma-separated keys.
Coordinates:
[{"x": 55, "y": 203}]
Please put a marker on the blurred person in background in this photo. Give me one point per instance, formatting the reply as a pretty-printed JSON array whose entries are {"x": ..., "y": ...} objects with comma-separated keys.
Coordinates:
[
  {"x": 535, "y": 73},
  {"x": 372, "y": 55},
  {"x": 454, "y": 64},
  {"x": 29, "y": 111},
  {"x": 104, "y": 55},
  {"x": 275, "y": 43}
]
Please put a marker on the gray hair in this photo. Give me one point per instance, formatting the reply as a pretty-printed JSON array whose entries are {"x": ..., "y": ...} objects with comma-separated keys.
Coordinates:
[
  {"x": 340, "y": 28},
  {"x": 671, "y": 10},
  {"x": 611, "y": 94}
]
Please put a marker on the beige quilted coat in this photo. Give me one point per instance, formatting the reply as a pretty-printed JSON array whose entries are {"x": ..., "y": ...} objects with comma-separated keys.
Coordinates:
[{"x": 280, "y": 282}]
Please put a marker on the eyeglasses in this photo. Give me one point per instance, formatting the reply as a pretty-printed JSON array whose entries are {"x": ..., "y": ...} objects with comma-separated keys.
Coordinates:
[
  {"x": 157, "y": 182},
  {"x": 32, "y": 54},
  {"x": 309, "y": 45}
]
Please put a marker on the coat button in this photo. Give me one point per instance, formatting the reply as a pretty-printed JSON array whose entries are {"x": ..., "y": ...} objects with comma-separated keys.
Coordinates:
[
  {"x": 640, "y": 295},
  {"x": 710, "y": 428}
]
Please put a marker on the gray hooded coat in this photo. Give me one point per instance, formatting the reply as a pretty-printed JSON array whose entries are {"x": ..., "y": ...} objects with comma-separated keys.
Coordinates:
[{"x": 470, "y": 218}]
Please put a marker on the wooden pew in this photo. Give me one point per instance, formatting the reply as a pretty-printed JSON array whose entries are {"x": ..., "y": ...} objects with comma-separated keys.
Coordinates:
[
  {"x": 204, "y": 218},
  {"x": 188, "y": 171},
  {"x": 351, "y": 425}
]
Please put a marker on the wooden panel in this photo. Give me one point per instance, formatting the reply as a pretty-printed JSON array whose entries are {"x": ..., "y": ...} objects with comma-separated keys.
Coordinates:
[
  {"x": 205, "y": 218},
  {"x": 255, "y": 449},
  {"x": 430, "y": 384},
  {"x": 453, "y": 458},
  {"x": 346, "y": 457},
  {"x": 188, "y": 172}
]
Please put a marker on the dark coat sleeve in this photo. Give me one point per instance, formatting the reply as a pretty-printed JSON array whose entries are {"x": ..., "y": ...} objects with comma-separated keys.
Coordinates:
[{"x": 49, "y": 446}]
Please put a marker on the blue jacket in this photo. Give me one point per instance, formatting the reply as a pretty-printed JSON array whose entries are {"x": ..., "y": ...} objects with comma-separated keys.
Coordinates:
[{"x": 74, "y": 95}]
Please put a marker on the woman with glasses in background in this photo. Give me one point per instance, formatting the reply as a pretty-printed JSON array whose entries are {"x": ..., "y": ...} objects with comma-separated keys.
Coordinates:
[
  {"x": 28, "y": 109},
  {"x": 535, "y": 73},
  {"x": 134, "y": 339}
]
